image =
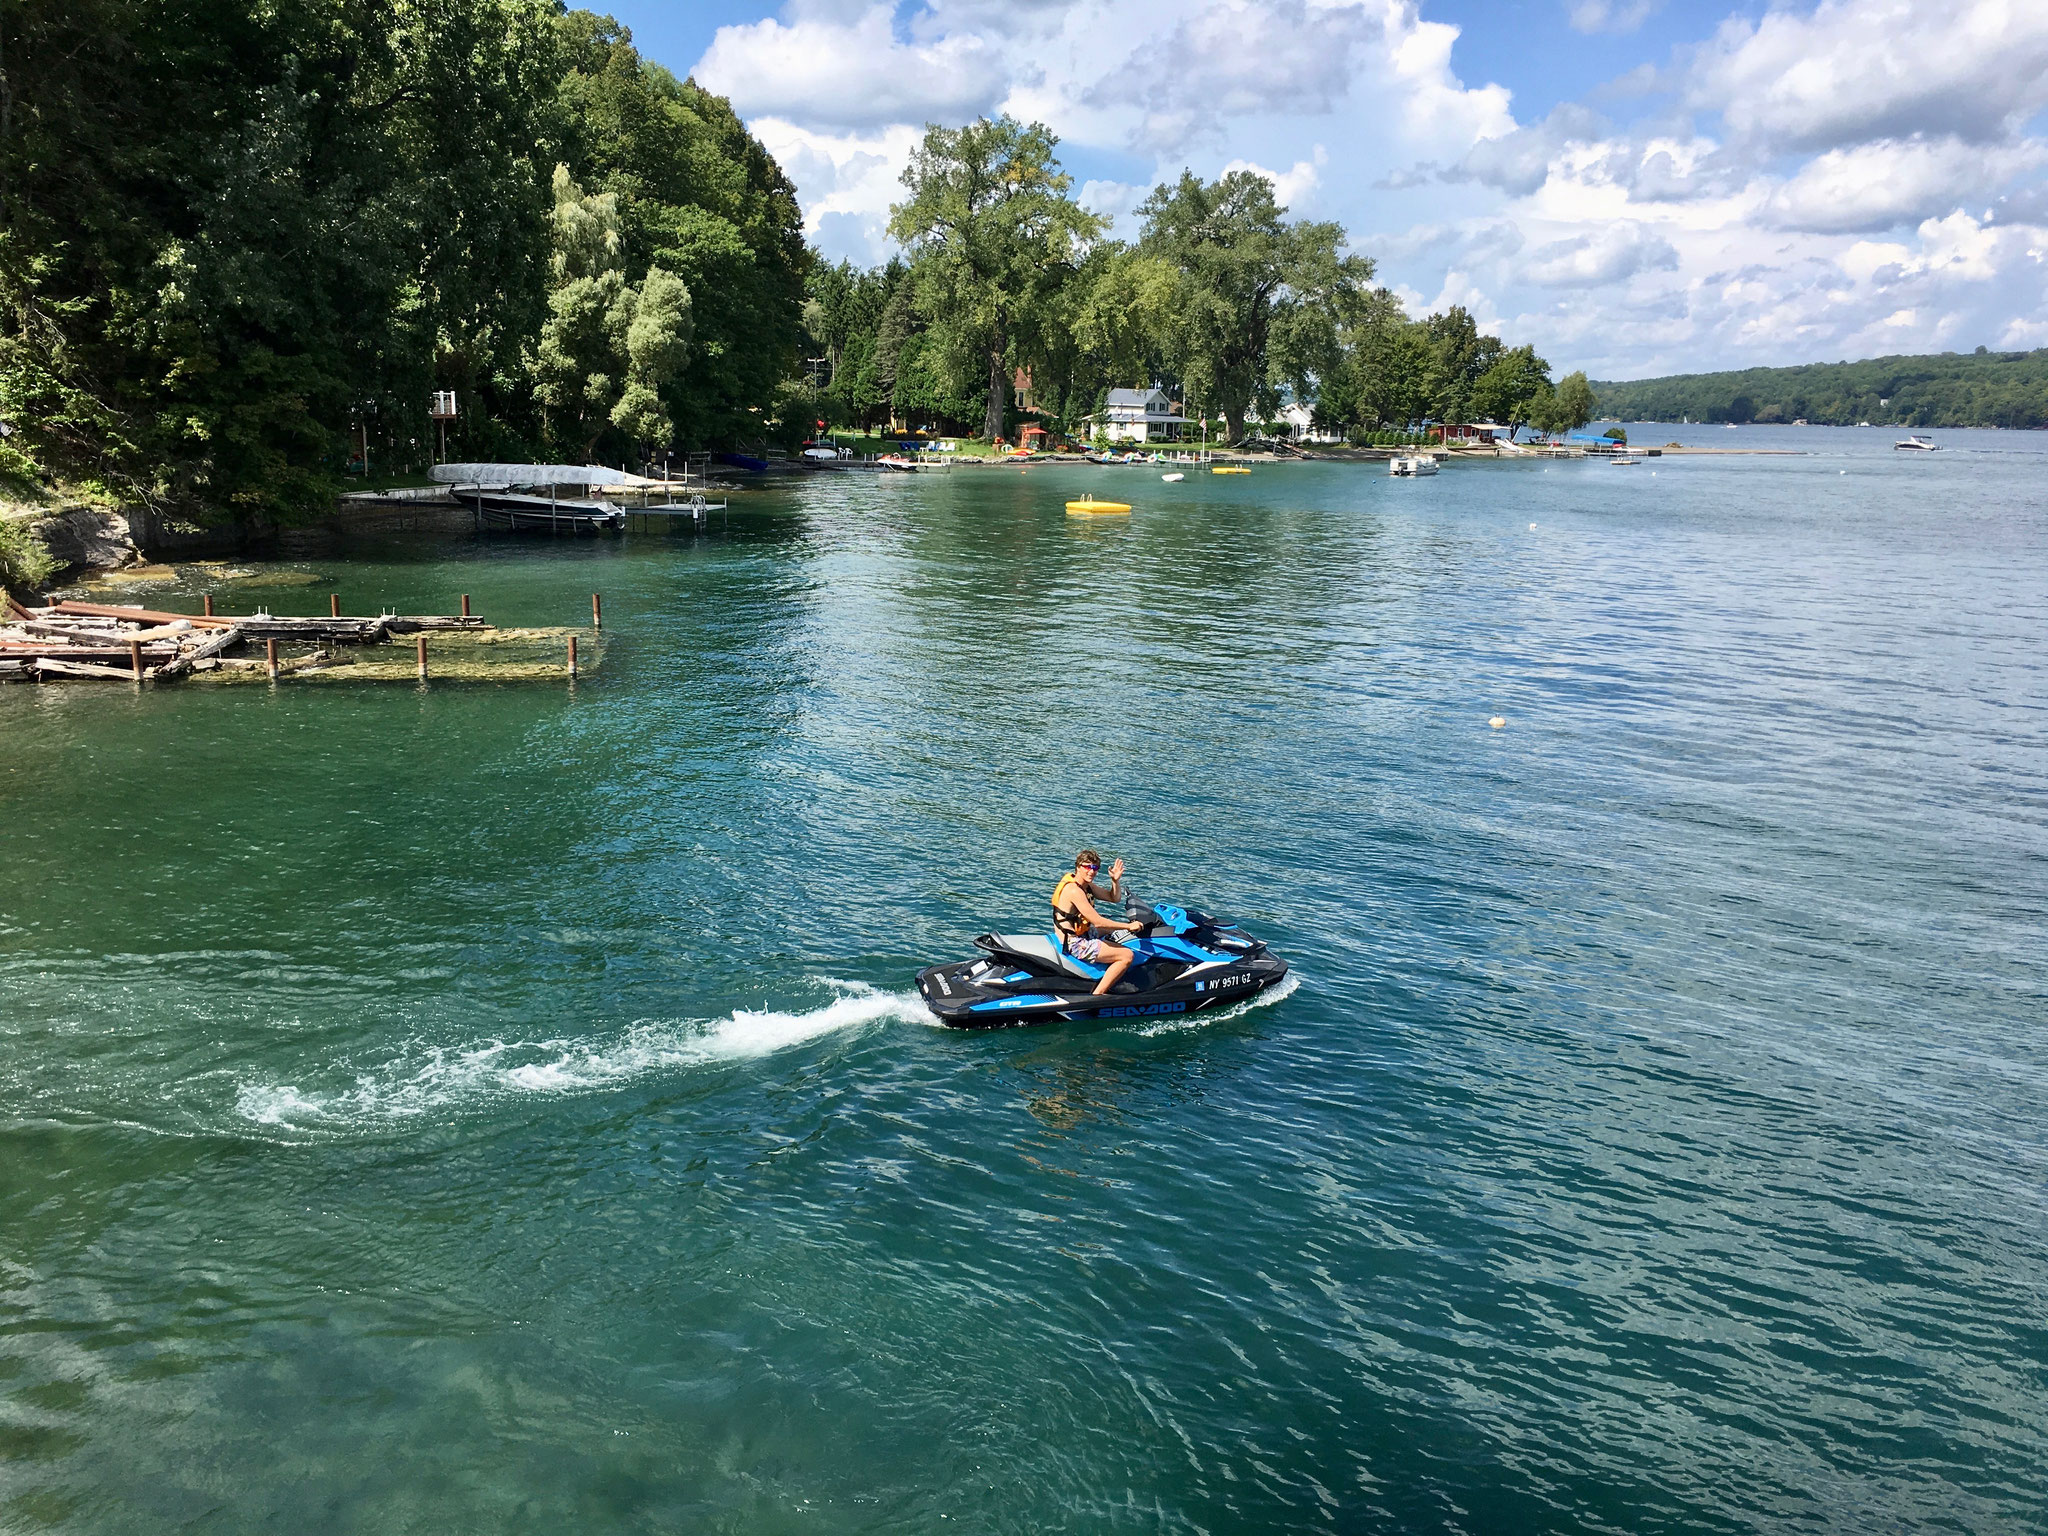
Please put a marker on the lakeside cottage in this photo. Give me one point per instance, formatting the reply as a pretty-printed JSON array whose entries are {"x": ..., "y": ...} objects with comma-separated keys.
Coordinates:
[{"x": 1142, "y": 416}]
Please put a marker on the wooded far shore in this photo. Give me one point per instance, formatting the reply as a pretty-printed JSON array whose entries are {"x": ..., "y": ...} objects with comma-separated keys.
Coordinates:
[{"x": 1947, "y": 389}]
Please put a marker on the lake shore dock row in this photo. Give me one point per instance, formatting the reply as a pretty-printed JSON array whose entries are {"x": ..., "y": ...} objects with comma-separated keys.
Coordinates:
[{"x": 73, "y": 641}]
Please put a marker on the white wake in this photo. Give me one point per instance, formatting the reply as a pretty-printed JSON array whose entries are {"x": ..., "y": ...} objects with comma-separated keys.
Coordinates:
[
  {"x": 425, "y": 1079},
  {"x": 1289, "y": 984}
]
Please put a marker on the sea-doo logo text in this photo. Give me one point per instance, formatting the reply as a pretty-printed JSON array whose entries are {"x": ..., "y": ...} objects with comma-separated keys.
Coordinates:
[{"x": 1126, "y": 1013}]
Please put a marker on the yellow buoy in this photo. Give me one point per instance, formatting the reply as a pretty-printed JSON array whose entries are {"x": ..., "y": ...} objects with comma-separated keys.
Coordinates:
[
  {"x": 1090, "y": 507},
  {"x": 1229, "y": 469}
]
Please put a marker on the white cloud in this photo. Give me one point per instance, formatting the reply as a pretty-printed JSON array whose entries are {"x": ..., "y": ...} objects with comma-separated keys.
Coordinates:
[
  {"x": 1856, "y": 70},
  {"x": 1519, "y": 161},
  {"x": 1609, "y": 17},
  {"x": 1882, "y": 185},
  {"x": 1610, "y": 255},
  {"x": 1234, "y": 59},
  {"x": 1290, "y": 186},
  {"x": 822, "y": 70},
  {"x": 848, "y": 181},
  {"x": 1848, "y": 175}
]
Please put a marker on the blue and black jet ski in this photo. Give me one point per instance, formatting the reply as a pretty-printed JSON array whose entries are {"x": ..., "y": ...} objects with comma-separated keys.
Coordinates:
[{"x": 1187, "y": 961}]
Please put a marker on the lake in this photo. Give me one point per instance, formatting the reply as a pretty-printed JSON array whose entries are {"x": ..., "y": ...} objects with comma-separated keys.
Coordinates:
[{"x": 506, "y": 1108}]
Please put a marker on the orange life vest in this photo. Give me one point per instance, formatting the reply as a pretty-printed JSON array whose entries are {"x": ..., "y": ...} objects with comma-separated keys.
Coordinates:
[{"x": 1070, "y": 923}]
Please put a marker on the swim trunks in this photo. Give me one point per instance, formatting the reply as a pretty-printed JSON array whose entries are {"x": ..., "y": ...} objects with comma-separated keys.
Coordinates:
[{"x": 1086, "y": 949}]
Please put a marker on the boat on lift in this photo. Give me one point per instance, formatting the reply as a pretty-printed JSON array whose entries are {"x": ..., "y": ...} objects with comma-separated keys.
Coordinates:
[{"x": 539, "y": 498}]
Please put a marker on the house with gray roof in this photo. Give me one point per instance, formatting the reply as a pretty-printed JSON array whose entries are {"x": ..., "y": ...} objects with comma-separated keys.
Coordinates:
[{"x": 1142, "y": 416}]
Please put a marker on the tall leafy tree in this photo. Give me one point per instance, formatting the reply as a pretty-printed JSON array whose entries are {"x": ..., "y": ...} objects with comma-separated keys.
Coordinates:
[
  {"x": 699, "y": 197},
  {"x": 1574, "y": 404},
  {"x": 992, "y": 234},
  {"x": 227, "y": 232},
  {"x": 1512, "y": 388},
  {"x": 1459, "y": 356},
  {"x": 1260, "y": 301},
  {"x": 608, "y": 346}
]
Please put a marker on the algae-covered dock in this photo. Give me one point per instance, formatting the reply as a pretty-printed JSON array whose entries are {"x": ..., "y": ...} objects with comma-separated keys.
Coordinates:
[{"x": 75, "y": 641}]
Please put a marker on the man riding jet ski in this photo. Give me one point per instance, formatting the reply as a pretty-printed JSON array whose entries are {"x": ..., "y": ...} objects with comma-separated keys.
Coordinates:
[{"x": 1162, "y": 959}]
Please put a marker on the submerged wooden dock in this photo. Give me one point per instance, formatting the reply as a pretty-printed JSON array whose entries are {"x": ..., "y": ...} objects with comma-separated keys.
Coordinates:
[{"x": 109, "y": 642}]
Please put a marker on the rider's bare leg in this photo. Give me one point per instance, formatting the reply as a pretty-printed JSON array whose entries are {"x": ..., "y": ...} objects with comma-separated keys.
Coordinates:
[{"x": 1119, "y": 960}]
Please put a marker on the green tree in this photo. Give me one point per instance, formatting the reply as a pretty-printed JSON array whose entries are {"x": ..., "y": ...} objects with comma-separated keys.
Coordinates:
[
  {"x": 1509, "y": 390},
  {"x": 1260, "y": 301},
  {"x": 1106, "y": 328},
  {"x": 1459, "y": 356},
  {"x": 225, "y": 231},
  {"x": 991, "y": 233},
  {"x": 1574, "y": 404},
  {"x": 608, "y": 345},
  {"x": 699, "y": 197}
]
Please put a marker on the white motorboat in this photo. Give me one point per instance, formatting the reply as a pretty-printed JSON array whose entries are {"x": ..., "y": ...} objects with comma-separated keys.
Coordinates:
[
  {"x": 1917, "y": 442},
  {"x": 1416, "y": 464}
]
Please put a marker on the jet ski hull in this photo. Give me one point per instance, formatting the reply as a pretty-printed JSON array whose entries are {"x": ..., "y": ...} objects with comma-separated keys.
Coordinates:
[{"x": 1028, "y": 978}]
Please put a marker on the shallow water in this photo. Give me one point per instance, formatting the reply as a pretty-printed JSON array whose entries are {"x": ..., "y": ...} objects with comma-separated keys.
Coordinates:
[{"x": 504, "y": 1107}]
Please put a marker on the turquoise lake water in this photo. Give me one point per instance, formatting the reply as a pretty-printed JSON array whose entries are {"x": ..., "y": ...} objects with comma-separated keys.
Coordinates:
[{"x": 504, "y": 1107}]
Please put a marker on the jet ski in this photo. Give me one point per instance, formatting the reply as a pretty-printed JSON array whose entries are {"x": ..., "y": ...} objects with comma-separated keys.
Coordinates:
[{"x": 1187, "y": 961}]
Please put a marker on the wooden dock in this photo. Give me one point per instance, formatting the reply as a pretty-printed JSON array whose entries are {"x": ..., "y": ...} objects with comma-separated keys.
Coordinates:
[{"x": 105, "y": 642}]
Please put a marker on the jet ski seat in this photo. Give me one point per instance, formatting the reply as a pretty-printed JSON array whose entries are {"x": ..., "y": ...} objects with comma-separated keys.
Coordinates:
[{"x": 1048, "y": 948}]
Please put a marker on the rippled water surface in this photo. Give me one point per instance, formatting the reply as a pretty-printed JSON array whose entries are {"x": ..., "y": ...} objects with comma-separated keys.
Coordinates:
[{"x": 503, "y": 1108}]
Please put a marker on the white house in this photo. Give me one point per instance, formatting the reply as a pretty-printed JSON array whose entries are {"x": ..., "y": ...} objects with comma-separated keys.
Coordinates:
[
  {"x": 1142, "y": 416},
  {"x": 1299, "y": 425}
]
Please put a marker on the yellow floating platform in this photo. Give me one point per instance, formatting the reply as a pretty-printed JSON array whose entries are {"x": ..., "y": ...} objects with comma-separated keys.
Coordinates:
[
  {"x": 1229, "y": 469},
  {"x": 1094, "y": 508}
]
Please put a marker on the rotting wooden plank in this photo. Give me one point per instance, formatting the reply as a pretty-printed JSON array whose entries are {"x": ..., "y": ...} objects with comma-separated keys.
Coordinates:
[
  {"x": 112, "y": 637},
  {"x": 411, "y": 623},
  {"x": 63, "y": 652},
  {"x": 136, "y": 615},
  {"x": 266, "y": 626},
  {"x": 202, "y": 652},
  {"x": 81, "y": 669}
]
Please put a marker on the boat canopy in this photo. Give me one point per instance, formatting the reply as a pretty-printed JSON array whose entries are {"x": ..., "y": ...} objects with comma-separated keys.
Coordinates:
[{"x": 534, "y": 474}]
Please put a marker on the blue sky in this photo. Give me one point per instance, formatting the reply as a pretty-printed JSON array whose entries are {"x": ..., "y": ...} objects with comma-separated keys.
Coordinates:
[{"x": 1636, "y": 186}]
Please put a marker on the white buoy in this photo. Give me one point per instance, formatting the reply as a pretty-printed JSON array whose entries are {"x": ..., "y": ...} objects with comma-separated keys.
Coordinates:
[
  {"x": 1532, "y": 527},
  {"x": 1498, "y": 721}
]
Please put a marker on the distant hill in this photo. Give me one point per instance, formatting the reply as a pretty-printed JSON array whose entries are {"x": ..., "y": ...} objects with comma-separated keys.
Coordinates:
[{"x": 1949, "y": 389}]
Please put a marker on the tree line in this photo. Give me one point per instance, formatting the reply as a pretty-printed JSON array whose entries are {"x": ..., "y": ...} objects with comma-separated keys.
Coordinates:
[
  {"x": 1231, "y": 306},
  {"x": 1950, "y": 389},
  {"x": 240, "y": 243}
]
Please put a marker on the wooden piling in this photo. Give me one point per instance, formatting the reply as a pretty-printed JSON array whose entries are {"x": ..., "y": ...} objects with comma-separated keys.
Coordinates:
[
  {"x": 596, "y": 611},
  {"x": 208, "y": 601},
  {"x": 572, "y": 655},
  {"x": 334, "y": 605},
  {"x": 423, "y": 658},
  {"x": 465, "y": 605},
  {"x": 270, "y": 657},
  {"x": 135, "y": 658}
]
